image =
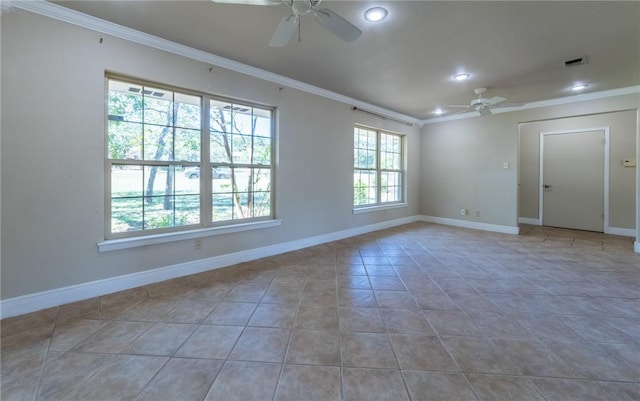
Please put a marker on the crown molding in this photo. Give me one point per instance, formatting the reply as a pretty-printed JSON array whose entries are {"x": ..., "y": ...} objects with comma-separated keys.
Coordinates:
[
  {"x": 73, "y": 17},
  {"x": 543, "y": 103}
]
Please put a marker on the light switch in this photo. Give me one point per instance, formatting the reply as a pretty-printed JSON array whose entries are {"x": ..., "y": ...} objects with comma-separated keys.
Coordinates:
[
  {"x": 629, "y": 163},
  {"x": 505, "y": 165}
]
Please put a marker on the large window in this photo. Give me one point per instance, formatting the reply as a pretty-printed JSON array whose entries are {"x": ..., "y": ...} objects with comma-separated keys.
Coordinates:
[
  {"x": 378, "y": 167},
  {"x": 181, "y": 160}
]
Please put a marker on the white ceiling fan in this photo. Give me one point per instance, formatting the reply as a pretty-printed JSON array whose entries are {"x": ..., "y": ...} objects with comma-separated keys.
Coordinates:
[
  {"x": 339, "y": 26},
  {"x": 484, "y": 105}
]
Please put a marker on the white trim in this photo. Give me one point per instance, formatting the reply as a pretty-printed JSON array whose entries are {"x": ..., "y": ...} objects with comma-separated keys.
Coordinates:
[
  {"x": 543, "y": 103},
  {"x": 625, "y": 232},
  {"x": 636, "y": 246},
  {"x": 528, "y": 220},
  {"x": 605, "y": 167},
  {"x": 376, "y": 208},
  {"x": 135, "y": 242},
  {"x": 471, "y": 224},
  {"x": 60, "y": 296},
  {"x": 73, "y": 17}
]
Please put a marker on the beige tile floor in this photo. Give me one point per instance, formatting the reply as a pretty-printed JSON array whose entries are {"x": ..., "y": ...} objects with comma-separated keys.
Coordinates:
[{"x": 418, "y": 312}]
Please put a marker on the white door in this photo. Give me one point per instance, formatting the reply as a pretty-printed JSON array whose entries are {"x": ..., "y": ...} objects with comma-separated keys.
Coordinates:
[{"x": 573, "y": 180}]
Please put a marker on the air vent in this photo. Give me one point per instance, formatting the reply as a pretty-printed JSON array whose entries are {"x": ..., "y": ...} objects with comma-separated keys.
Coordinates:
[{"x": 576, "y": 62}]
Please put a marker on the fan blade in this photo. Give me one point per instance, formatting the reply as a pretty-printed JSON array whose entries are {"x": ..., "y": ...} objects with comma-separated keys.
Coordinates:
[
  {"x": 458, "y": 105},
  {"x": 511, "y": 104},
  {"x": 484, "y": 111},
  {"x": 496, "y": 100},
  {"x": 285, "y": 30},
  {"x": 251, "y": 2},
  {"x": 339, "y": 26}
]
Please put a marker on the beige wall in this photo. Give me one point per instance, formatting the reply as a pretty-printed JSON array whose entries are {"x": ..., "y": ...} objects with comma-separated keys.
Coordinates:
[
  {"x": 53, "y": 148},
  {"x": 462, "y": 162},
  {"x": 622, "y": 145}
]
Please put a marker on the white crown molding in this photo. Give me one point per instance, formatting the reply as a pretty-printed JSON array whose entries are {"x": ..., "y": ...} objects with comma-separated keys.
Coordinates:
[
  {"x": 543, "y": 103},
  {"x": 73, "y": 17}
]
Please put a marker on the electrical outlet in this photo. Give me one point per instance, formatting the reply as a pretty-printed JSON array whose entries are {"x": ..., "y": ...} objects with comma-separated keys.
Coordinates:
[
  {"x": 197, "y": 244},
  {"x": 477, "y": 213},
  {"x": 463, "y": 212}
]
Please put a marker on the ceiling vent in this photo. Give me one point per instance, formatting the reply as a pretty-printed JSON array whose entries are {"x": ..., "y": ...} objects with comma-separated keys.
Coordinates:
[{"x": 576, "y": 61}]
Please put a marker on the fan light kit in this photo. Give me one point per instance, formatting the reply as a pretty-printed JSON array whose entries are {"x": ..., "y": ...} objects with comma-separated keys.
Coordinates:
[
  {"x": 579, "y": 87},
  {"x": 334, "y": 23},
  {"x": 438, "y": 111},
  {"x": 461, "y": 77},
  {"x": 376, "y": 14}
]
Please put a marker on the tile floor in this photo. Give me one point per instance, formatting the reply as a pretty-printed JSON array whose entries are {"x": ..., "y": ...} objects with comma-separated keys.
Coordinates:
[{"x": 418, "y": 312}]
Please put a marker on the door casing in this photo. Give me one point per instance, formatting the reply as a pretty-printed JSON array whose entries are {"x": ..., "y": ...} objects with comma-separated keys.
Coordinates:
[{"x": 605, "y": 167}]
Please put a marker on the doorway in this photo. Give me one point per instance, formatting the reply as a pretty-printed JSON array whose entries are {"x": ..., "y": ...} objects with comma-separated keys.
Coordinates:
[{"x": 574, "y": 175}]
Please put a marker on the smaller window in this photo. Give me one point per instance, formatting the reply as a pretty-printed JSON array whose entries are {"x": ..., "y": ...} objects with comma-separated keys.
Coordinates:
[{"x": 378, "y": 173}]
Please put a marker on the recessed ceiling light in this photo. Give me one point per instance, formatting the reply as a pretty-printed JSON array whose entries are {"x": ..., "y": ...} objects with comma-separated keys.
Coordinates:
[
  {"x": 463, "y": 76},
  {"x": 376, "y": 14},
  {"x": 438, "y": 111},
  {"x": 579, "y": 87}
]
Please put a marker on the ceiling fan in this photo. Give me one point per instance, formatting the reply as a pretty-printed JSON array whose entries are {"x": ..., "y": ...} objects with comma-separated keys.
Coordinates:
[
  {"x": 484, "y": 105},
  {"x": 339, "y": 26}
]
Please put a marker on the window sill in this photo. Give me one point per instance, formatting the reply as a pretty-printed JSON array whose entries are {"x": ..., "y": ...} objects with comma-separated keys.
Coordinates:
[
  {"x": 376, "y": 208},
  {"x": 135, "y": 242}
]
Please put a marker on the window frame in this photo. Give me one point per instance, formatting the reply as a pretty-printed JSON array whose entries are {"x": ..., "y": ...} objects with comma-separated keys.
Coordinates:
[
  {"x": 379, "y": 204},
  {"x": 206, "y": 225}
]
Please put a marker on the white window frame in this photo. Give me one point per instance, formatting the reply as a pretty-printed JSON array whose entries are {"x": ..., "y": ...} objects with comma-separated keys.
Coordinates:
[
  {"x": 379, "y": 205},
  {"x": 206, "y": 227}
]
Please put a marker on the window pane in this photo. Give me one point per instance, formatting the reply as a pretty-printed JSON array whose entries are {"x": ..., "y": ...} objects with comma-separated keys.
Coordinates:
[
  {"x": 220, "y": 116},
  {"x": 125, "y": 140},
  {"x": 186, "y": 180},
  {"x": 158, "y": 212},
  {"x": 222, "y": 204},
  {"x": 187, "y": 210},
  {"x": 364, "y": 188},
  {"x": 241, "y": 146},
  {"x": 390, "y": 152},
  {"x": 125, "y": 101},
  {"x": 262, "y": 122},
  {"x": 391, "y": 186},
  {"x": 126, "y": 181},
  {"x": 364, "y": 148},
  {"x": 262, "y": 150},
  {"x": 158, "y": 143},
  {"x": 158, "y": 180},
  {"x": 242, "y": 121},
  {"x": 187, "y": 111},
  {"x": 220, "y": 147},
  {"x": 158, "y": 106},
  {"x": 187, "y": 145},
  {"x": 126, "y": 214}
]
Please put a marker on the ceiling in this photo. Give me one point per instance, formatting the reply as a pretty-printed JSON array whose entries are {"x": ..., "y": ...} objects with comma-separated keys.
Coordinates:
[{"x": 516, "y": 49}]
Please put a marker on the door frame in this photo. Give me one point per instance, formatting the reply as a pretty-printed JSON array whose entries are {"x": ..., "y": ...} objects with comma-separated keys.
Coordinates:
[{"x": 605, "y": 167}]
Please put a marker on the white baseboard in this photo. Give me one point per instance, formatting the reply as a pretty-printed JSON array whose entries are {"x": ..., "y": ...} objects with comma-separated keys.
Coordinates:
[
  {"x": 626, "y": 232},
  {"x": 471, "y": 224},
  {"x": 60, "y": 296},
  {"x": 527, "y": 220},
  {"x": 636, "y": 246}
]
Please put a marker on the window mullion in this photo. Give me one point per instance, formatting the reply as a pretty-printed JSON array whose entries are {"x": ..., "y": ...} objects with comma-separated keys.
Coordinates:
[
  {"x": 378, "y": 168},
  {"x": 206, "y": 214}
]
